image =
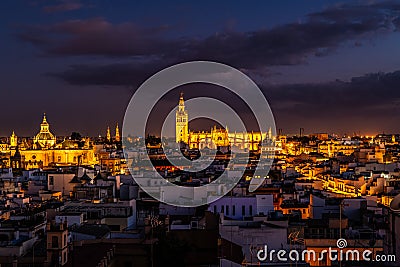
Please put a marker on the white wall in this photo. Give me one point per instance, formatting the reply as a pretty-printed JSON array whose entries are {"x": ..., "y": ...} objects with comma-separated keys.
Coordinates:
[
  {"x": 71, "y": 219},
  {"x": 232, "y": 207},
  {"x": 265, "y": 204},
  {"x": 61, "y": 182}
]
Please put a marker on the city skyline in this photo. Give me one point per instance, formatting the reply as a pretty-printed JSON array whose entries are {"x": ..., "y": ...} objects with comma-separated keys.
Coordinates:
[
  {"x": 200, "y": 133},
  {"x": 199, "y": 127},
  {"x": 324, "y": 66}
]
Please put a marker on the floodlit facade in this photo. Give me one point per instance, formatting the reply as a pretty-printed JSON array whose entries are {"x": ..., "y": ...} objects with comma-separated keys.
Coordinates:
[
  {"x": 45, "y": 151},
  {"x": 216, "y": 137}
]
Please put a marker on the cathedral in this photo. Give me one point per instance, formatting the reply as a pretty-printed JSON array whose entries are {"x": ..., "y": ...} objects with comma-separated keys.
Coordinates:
[
  {"x": 44, "y": 151},
  {"x": 216, "y": 137}
]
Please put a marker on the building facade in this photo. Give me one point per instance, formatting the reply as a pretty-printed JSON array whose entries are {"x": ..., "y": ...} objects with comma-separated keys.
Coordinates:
[
  {"x": 217, "y": 137},
  {"x": 44, "y": 151}
]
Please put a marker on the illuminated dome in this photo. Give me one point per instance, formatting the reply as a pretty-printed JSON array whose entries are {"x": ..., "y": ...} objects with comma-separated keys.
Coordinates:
[{"x": 45, "y": 138}]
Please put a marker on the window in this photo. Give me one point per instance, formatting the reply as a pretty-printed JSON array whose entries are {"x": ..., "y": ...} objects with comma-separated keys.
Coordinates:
[
  {"x": 59, "y": 158},
  {"x": 243, "y": 210},
  {"x": 227, "y": 210},
  {"x": 222, "y": 209},
  {"x": 233, "y": 210},
  {"x": 215, "y": 209},
  {"x": 251, "y": 210},
  {"x": 54, "y": 241},
  {"x": 51, "y": 180}
]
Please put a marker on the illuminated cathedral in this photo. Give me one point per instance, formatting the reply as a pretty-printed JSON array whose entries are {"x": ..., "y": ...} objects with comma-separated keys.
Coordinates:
[
  {"x": 216, "y": 137},
  {"x": 44, "y": 151}
]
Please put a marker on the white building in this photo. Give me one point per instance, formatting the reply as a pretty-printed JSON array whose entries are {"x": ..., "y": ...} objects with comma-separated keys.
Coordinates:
[
  {"x": 72, "y": 218},
  {"x": 238, "y": 208}
]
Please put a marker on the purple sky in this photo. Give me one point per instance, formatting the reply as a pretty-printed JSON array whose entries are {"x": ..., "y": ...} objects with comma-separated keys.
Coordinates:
[{"x": 324, "y": 65}]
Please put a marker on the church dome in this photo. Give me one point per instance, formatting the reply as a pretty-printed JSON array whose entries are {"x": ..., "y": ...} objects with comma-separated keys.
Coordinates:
[{"x": 45, "y": 138}]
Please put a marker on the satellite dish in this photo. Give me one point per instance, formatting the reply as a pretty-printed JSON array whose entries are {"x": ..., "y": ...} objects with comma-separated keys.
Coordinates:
[{"x": 395, "y": 204}]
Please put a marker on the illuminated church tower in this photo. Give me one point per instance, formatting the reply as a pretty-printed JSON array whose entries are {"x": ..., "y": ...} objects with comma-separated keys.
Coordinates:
[
  {"x": 182, "y": 122},
  {"x": 108, "y": 134},
  {"x": 13, "y": 140},
  {"x": 117, "y": 137}
]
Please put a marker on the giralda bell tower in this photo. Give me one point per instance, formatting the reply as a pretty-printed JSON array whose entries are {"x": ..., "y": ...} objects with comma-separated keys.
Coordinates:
[{"x": 182, "y": 123}]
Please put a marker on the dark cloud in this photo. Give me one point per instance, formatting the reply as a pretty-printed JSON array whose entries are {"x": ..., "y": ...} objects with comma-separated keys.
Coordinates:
[
  {"x": 97, "y": 36},
  {"x": 62, "y": 7},
  {"x": 288, "y": 44},
  {"x": 366, "y": 92},
  {"x": 372, "y": 99},
  {"x": 124, "y": 74}
]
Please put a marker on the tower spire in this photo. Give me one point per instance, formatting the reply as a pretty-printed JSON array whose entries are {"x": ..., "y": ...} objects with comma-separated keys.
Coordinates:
[
  {"x": 117, "y": 137},
  {"x": 108, "y": 134},
  {"x": 44, "y": 118},
  {"x": 13, "y": 140},
  {"x": 44, "y": 126},
  {"x": 181, "y": 102},
  {"x": 181, "y": 122}
]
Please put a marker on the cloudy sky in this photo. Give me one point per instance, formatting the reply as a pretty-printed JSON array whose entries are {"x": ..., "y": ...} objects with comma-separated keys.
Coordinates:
[{"x": 325, "y": 66}]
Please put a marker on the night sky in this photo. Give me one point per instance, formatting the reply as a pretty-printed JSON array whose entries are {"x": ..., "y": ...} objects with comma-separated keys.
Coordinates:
[{"x": 325, "y": 66}]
